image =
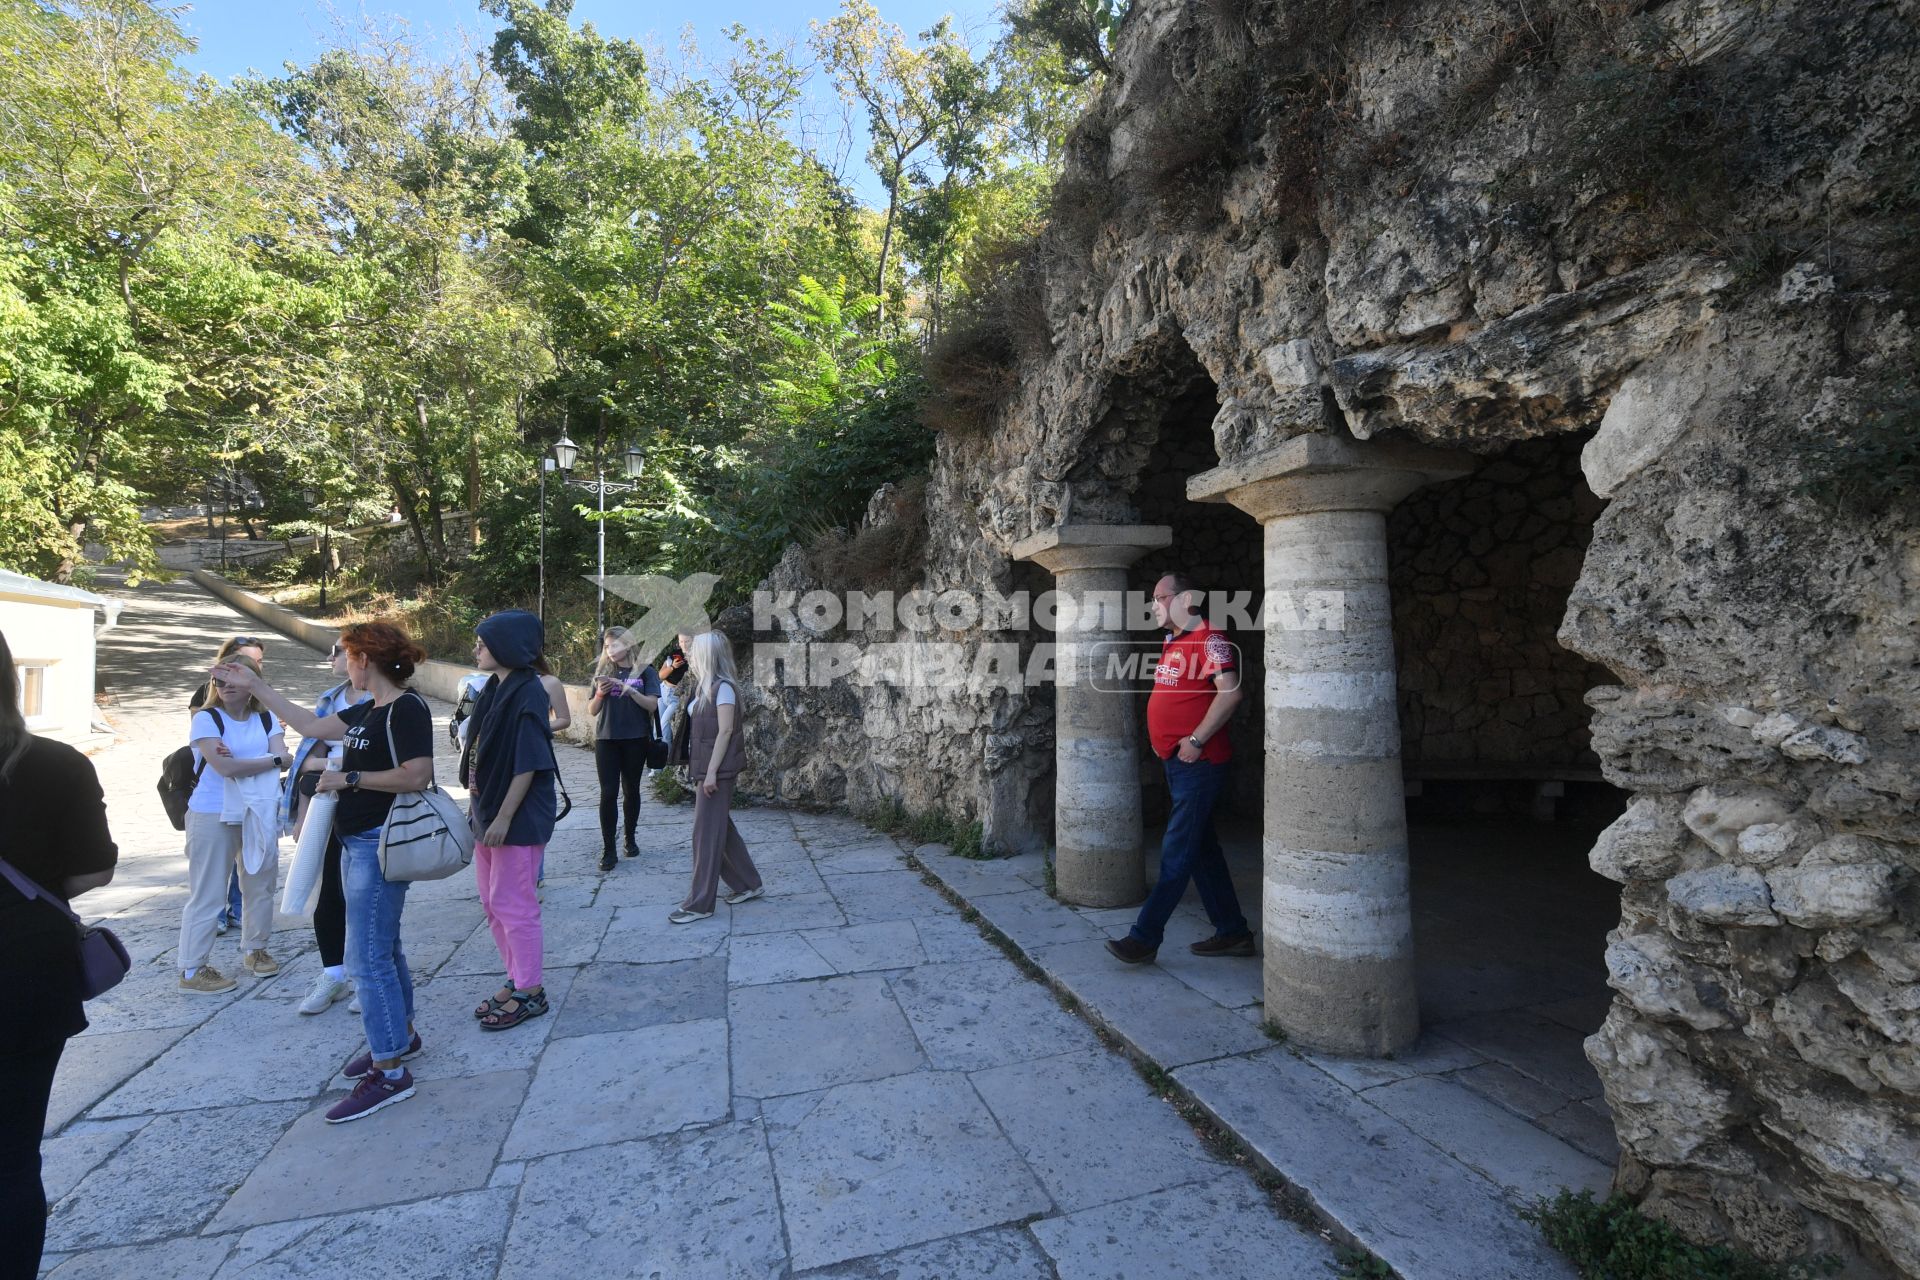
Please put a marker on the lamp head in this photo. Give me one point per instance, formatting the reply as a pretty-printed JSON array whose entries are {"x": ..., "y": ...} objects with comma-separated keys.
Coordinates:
[{"x": 564, "y": 452}]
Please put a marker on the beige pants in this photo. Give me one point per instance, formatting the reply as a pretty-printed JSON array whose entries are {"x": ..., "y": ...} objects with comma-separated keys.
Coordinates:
[
  {"x": 213, "y": 849},
  {"x": 718, "y": 851}
]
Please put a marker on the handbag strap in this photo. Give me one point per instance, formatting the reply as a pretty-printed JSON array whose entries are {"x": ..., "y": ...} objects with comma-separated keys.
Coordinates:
[
  {"x": 30, "y": 889},
  {"x": 393, "y": 752}
]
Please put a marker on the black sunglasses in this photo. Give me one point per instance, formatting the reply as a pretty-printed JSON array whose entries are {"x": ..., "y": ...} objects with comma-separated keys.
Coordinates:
[{"x": 247, "y": 642}]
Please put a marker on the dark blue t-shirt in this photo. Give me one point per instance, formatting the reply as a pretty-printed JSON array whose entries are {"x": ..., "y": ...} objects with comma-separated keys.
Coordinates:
[
  {"x": 524, "y": 744},
  {"x": 622, "y": 717}
]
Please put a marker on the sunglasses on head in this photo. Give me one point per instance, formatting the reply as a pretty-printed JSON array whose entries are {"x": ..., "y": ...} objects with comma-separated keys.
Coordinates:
[{"x": 247, "y": 642}]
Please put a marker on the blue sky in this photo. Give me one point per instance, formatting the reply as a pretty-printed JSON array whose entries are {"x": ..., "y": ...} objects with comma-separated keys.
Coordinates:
[{"x": 236, "y": 36}]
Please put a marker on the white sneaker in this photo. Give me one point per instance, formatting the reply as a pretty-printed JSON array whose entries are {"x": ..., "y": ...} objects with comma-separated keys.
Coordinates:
[
  {"x": 353, "y": 1005},
  {"x": 684, "y": 916},
  {"x": 325, "y": 991},
  {"x": 745, "y": 895}
]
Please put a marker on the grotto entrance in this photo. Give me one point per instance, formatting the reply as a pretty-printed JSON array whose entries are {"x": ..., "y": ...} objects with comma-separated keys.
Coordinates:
[{"x": 1504, "y": 794}]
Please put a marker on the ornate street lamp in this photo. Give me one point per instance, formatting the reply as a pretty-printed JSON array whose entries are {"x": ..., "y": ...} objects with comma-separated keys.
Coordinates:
[{"x": 633, "y": 462}]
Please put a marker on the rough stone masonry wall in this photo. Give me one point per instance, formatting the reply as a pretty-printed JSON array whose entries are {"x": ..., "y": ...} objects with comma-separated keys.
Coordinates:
[
  {"x": 1480, "y": 572},
  {"x": 1683, "y": 226}
]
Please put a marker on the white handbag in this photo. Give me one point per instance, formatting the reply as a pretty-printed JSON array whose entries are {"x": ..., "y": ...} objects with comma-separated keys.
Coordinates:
[{"x": 426, "y": 837}]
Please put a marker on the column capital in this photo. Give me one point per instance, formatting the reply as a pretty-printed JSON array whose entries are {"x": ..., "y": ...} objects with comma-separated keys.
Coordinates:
[
  {"x": 1091, "y": 546},
  {"x": 1328, "y": 473}
]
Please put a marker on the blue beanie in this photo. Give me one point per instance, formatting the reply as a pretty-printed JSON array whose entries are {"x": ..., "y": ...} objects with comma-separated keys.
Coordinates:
[{"x": 514, "y": 636}]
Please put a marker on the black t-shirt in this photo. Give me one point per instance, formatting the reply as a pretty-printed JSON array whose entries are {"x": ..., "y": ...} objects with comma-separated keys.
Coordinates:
[
  {"x": 622, "y": 717},
  {"x": 53, "y": 824},
  {"x": 53, "y": 816},
  {"x": 366, "y": 752}
]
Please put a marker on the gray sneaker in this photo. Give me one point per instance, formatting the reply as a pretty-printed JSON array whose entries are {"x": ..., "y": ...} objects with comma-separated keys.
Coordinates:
[{"x": 324, "y": 992}]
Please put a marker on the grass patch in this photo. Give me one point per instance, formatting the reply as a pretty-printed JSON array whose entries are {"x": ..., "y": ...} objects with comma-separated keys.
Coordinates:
[
  {"x": 1615, "y": 1241},
  {"x": 1358, "y": 1264},
  {"x": 1274, "y": 1031},
  {"x": 892, "y": 817},
  {"x": 668, "y": 789}
]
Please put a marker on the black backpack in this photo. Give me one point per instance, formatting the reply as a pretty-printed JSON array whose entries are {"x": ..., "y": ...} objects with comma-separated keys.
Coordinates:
[{"x": 179, "y": 775}]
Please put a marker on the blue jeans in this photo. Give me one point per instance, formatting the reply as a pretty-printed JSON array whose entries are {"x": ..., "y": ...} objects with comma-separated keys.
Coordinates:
[
  {"x": 374, "y": 959},
  {"x": 232, "y": 914},
  {"x": 1191, "y": 851}
]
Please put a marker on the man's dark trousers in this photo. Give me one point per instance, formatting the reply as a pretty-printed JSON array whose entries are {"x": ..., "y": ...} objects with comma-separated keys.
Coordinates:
[{"x": 1191, "y": 850}]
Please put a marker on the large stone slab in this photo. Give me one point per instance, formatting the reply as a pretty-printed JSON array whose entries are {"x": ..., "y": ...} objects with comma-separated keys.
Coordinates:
[
  {"x": 621, "y": 1085},
  {"x": 569, "y": 937},
  {"x": 878, "y": 1166},
  {"x": 459, "y": 1237},
  {"x": 455, "y": 1044},
  {"x": 1424, "y": 1213},
  {"x": 186, "y": 1258},
  {"x": 793, "y": 1036},
  {"x": 1160, "y": 1016},
  {"x": 94, "y": 1065},
  {"x": 626, "y": 997},
  {"x": 65, "y": 1160},
  {"x": 774, "y": 957},
  {"x": 634, "y": 886},
  {"x": 443, "y": 1139},
  {"x": 1489, "y": 1139},
  {"x": 1092, "y": 1131},
  {"x": 642, "y": 935},
  {"x": 985, "y": 1014},
  {"x": 1033, "y": 920},
  {"x": 971, "y": 877},
  {"x": 698, "y": 1205},
  {"x": 1431, "y": 1055},
  {"x": 797, "y": 911},
  {"x": 1222, "y": 1229},
  {"x": 253, "y": 1051},
  {"x": 1231, "y": 981},
  {"x": 1549, "y": 1051},
  {"x": 857, "y": 859},
  {"x": 863, "y": 948},
  {"x": 884, "y": 895},
  {"x": 1002, "y": 1253},
  {"x": 950, "y": 940},
  {"x": 169, "y": 1178}
]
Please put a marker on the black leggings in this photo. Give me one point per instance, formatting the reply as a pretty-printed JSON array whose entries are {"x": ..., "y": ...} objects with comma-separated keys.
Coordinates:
[
  {"x": 620, "y": 762},
  {"x": 330, "y": 910},
  {"x": 26, "y": 1081}
]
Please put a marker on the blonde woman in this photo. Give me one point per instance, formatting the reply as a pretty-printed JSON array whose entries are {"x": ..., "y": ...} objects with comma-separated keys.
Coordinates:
[
  {"x": 716, "y": 756},
  {"x": 626, "y": 693},
  {"x": 233, "y": 818}
]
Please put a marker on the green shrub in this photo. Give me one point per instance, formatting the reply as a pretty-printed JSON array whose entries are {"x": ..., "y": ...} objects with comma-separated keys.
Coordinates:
[
  {"x": 1615, "y": 1241},
  {"x": 668, "y": 789}
]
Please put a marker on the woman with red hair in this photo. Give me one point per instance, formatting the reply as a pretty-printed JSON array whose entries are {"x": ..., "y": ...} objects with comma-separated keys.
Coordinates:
[{"x": 388, "y": 750}]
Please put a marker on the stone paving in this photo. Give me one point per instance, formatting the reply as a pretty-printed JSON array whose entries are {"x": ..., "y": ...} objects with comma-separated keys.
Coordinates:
[{"x": 842, "y": 1079}]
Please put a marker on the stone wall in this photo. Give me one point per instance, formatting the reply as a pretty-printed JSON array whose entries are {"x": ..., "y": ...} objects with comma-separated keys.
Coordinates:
[
  {"x": 1684, "y": 228},
  {"x": 1481, "y": 570}
]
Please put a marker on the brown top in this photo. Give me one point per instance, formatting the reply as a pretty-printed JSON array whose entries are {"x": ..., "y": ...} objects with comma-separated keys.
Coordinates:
[{"x": 703, "y": 730}]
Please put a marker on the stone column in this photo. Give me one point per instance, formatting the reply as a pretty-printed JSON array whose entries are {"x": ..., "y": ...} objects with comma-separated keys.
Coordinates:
[
  {"x": 1098, "y": 860},
  {"x": 1335, "y": 910}
]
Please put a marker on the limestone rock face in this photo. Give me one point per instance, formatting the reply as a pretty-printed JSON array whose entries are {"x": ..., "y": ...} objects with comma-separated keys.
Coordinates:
[{"x": 1272, "y": 225}]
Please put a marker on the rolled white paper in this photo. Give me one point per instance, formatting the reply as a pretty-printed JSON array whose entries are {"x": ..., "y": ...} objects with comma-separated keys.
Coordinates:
[{"x": 303, "y": 877}]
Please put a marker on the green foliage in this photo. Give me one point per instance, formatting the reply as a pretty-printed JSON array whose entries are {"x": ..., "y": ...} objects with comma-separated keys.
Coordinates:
[
  {"x": 1358, "y": 1264},
  {"x": 668, "y": 789},
  {"x": 1081, "y": 32},
  {"x": 1873, "y": 465},
  {"x": 893, "y": 818},
  {"x": 1615, "y": 1241}
]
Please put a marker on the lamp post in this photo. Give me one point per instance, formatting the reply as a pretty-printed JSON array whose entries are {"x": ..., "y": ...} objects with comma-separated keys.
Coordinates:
[{"x": 565, "y": 453}]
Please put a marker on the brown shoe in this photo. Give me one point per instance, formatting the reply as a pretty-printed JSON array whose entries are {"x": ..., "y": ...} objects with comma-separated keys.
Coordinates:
[
  {"x": 1131, "y": 949},
  {"x": 260, "y": 964},
  {"x": 1234, "y": 944},
  {"x": 207, "y": 981}
]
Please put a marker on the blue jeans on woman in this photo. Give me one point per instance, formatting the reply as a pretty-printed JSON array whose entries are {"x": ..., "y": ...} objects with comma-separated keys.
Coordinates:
[
  {"x": 374, "y": 959},
  {"x": 1191, "y": 851}
]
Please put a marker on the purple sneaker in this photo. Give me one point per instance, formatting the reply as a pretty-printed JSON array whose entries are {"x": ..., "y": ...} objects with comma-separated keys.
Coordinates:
[
  {"x": 361, "y": 1067},
  {"x": 372, "y": 1093}
]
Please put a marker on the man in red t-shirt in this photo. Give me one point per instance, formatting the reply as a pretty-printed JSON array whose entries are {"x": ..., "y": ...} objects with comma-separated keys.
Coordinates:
[{"x": 1195, "y": 689}]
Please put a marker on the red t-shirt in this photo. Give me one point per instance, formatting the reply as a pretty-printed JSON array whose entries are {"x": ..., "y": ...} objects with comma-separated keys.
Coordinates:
[{"x": 1183, "y": 689}]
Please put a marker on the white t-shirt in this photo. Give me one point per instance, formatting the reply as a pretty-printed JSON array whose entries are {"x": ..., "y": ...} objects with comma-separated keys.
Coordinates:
[
  {"x": 723, "y": 696},
  {"x": 244, "y": 738}
]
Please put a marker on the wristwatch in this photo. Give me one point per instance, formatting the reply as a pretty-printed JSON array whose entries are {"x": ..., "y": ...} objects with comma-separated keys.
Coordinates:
[
  {"x": 1197, "y": 744},
  {"x": 278, "y": 763},
  {"x": 353, "y": 779}
]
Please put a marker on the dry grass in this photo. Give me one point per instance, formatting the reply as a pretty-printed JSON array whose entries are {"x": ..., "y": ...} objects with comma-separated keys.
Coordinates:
[{"x": 872, "y": 557}]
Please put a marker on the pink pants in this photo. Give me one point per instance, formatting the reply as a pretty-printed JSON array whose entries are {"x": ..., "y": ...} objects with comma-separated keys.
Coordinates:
[{"x": 506, "y": 873}]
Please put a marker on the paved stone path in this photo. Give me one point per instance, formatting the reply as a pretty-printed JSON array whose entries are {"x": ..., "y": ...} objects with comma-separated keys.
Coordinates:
[{"x": 842, "y": 1079}]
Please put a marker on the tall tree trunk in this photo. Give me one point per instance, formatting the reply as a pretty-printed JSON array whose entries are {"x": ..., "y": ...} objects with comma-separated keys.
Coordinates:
[
  {"x": 437, "y": 525},
  {"x": 886, "y": 242}
]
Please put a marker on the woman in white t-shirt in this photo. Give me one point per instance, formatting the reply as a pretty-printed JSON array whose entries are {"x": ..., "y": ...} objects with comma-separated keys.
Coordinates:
[{"x": 242, "y": 748}]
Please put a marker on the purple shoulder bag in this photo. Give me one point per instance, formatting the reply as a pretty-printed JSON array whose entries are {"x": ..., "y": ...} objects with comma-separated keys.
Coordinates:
[{"x": 103, "y": 961}]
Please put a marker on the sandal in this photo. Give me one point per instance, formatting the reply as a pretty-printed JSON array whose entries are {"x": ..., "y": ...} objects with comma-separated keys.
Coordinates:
[
  {"x": 526, "y": 1004},
  {"x": 492, "y": 1003}
]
